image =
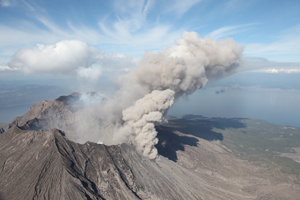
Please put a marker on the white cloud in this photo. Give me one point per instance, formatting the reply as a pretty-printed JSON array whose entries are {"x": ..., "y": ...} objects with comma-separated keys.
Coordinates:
[
  {"x": 230, "y": 30},
  {"x": 234, "y": 5},
  {"x": 24, "y": 4},
  {"x": 7, "y": 68},
  {"x": 68, "y": 57},
  {"x": 128, "y": 29},
  {"x": 181, "y": 7},
  {"x": 275, "y": 71},
  {"x": 53, "y": 27},
  {"x": 153, "y": 38},
  {"x": 94, "y": 72},
  {"x": 62, "y": 57},
  {"x": 259, "y": 64},
  {"x": 6, "y": 3},
  {"x": 14, "y": 37},
  {"x": 285, "y": 47},
  {"x": 148, "y": 6},
  {"x": 131, "y": 16},
  {"x": 287, "y": 44}
]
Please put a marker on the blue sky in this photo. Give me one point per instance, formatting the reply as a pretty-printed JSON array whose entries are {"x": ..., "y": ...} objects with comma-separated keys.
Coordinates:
[
  {"x": 121, "y": 31},
  {"x": 267, "y": 29}
]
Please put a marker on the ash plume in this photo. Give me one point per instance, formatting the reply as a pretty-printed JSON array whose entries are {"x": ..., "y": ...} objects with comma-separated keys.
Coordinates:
[
  {"x": 144, "y": 95},
  {"x": 139, "y": 119}
]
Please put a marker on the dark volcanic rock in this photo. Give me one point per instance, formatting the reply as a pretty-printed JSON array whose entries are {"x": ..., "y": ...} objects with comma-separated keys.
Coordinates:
[
  {"x": 38, "y": 161},
  {"x": 46, "y": 165}
]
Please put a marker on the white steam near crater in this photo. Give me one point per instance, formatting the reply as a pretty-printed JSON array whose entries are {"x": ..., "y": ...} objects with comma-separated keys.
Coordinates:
[{"x": 145, "y": 93}]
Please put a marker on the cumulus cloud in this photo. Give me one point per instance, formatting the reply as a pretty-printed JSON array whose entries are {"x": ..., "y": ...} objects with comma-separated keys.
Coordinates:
[
  {"x": 61, "y": 58},
  {"x": 67, "y": 57}
]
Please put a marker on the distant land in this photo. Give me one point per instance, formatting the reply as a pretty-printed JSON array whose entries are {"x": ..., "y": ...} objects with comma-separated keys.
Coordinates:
[
  {"x": 257, "y": 141},
  {"x": 16, "y": 99}
]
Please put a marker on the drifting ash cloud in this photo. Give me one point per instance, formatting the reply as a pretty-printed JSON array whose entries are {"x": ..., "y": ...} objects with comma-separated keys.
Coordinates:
[
  {"x": 144, "y": 94},
  {"x": 149, "y": 90}
]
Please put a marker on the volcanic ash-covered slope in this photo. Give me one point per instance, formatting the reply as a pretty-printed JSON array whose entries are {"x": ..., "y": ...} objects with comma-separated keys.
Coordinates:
[
  {"x": 37, "y": 161},
  {"x": 46, "y": 165}
]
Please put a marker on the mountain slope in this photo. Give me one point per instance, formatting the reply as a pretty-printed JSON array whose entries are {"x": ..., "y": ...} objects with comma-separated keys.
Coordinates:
[
  {"x": 46, "y": 165},
  {"x": 198, "y": 160}
]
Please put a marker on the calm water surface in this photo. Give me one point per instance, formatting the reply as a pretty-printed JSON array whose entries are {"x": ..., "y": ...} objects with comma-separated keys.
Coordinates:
[
  {"x": 279, "y": 107},
  {"x": 276, "y": 107},
  {"x": 8, "y": 114}
]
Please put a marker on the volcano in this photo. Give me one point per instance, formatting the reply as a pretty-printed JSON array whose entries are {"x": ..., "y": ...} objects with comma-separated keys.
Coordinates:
[{"x": 198, "y": 159}]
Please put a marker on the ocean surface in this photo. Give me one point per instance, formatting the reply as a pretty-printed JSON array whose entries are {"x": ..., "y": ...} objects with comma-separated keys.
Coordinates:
[
  {"x": 7, "y": 114},
  {"x": 279, "y": 107}
]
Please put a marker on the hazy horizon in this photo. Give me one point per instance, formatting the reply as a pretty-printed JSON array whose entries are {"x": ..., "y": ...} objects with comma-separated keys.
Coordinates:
[{"x": 275, "y": 103}]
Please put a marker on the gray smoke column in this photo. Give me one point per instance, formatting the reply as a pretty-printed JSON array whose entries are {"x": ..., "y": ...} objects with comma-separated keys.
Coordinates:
[
  {"x": 140, "y": 118},
  {"x": 143, "y": 95},
  {"x": 148, "y": 91}
]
